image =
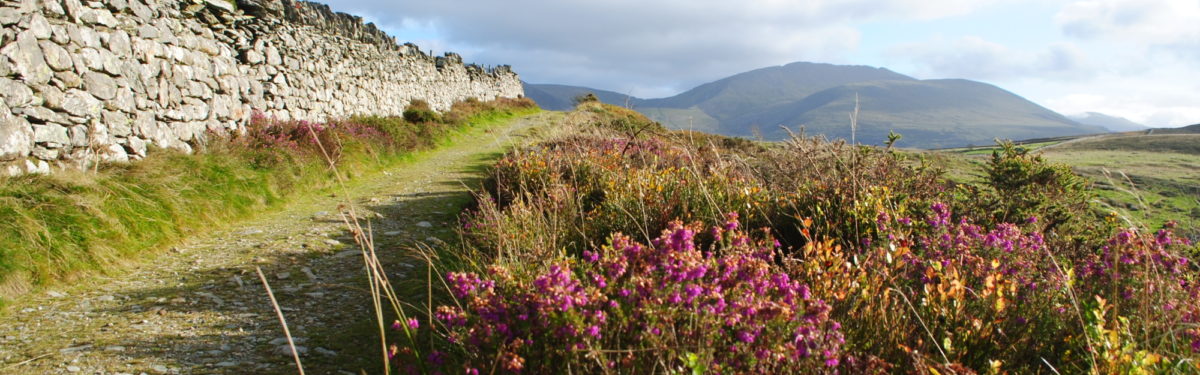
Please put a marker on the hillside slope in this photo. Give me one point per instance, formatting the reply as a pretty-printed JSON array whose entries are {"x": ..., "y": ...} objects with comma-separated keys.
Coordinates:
[
  {"x": 760, "y": 89},
  {"x": 1112, "y": 123},
  {"x": 1190, "y": 129},
  {"x": 562, "y": 97},
  {"x": 929, "y": 113}
]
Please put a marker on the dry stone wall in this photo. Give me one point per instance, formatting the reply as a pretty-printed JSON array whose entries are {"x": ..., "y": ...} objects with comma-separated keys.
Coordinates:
[{"x": 83, "y": 82}]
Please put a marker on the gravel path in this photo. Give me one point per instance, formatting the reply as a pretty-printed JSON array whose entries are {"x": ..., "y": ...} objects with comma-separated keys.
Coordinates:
[{"x": 199, "y": 308}]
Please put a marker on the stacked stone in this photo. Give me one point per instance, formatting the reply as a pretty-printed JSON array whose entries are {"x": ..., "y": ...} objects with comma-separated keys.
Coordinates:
[{"x": 87, "y": 82}]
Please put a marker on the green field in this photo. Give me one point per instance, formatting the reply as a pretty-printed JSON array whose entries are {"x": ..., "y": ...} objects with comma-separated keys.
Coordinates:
[{"x": 1147, "y": 179}]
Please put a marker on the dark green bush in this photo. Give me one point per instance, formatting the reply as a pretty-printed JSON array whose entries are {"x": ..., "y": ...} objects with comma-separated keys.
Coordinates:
[
  {"x": 586, "y": 98},
  {"x": 419, "y": 112},
  {"x": 1021, "y": 186}
]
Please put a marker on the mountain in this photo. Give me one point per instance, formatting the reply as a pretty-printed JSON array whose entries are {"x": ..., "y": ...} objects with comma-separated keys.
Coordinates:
[
  {"x": 759, "y": 89},
  {"x": 928, "y": 113},
  {"x": 1112, "y": 123},
  {"x": 562, "y": 97}
]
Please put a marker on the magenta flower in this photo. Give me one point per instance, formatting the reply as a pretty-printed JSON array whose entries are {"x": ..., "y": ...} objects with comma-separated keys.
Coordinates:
[
  {"x": 745, "y": 337},
  {"x": 591, "y": 256},
  {"x": 628, "y": 295},
  {"x": 731, "y": 222}
]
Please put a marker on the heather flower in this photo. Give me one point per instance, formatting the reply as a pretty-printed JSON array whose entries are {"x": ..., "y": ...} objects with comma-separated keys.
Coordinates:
[
  {"x": 660, "y": 289},
  {"x": 437, "y": 358},
  {"x": 590, "y": 256},
  {"x": 731, "y": 222},
  {"x": 693, "y": 290},
  {"x": 1163, "y": 237},
  {"x": 941, "y": 214},
  {"x": 831, "y": 360}
]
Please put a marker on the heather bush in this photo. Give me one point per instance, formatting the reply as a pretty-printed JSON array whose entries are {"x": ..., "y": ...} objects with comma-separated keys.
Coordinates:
[
  {"x": 624, "y": 121},
  {"x": 585, "y": 187},
  {"x": 579, "y": 261},
  {"x": 272, "y": 141},
  {"x": 842, "y": 189},
  {"x": 461, "y": 112},
  {"x": 667, "y": 306},
  {"x": 945, "y": 288}
]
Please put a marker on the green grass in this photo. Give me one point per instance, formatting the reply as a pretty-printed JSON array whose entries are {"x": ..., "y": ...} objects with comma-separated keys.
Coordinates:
[
  {"x": 58, "y": 227},
  {"x": 987, "y": 150},
  {"x": 1151, "y": 188},
  {"x": 1149, "y": 180},
  {"x": 1175, "y": 143}
]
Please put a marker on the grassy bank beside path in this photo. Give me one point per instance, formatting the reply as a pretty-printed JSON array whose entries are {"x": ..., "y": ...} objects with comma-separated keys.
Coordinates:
[{"x": 55, "y": 228}]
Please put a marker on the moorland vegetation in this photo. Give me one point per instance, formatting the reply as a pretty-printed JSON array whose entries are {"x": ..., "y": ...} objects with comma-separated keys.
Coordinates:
[{"x": 623, "y": 247}]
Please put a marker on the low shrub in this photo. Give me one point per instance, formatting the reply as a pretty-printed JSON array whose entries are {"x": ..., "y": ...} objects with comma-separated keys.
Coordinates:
[
  {"x": 667, "y": 306},
  {"x": 419, "y": 112},
  {"x": 624, "y": 121},
  {"x": 980, "y": 296},
  {"x": 917, "y": 273}
]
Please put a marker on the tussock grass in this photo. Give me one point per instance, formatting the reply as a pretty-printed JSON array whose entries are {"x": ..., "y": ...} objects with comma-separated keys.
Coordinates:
[{"x": 57, "y": 227}]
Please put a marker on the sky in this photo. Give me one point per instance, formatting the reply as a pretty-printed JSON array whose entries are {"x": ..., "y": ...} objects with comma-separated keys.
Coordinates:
[{"x": 1138, "y": 59}]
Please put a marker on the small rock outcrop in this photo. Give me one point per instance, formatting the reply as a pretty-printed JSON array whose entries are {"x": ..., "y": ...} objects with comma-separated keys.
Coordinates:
[{"x": 101, "y": 81}]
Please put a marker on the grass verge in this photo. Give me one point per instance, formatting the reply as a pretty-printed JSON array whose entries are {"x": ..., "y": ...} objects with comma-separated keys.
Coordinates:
[{"x": 57, "y": 227}]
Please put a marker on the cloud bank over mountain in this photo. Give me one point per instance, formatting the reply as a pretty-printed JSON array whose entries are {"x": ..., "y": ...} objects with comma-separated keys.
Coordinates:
[{"x": 1131, "y": 58}]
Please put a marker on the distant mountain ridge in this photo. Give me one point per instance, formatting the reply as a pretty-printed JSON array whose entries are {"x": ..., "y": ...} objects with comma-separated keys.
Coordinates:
[
  {"x": 562, "y": 97},
  {"x": 1190, "y": 129},
  {"x": 1112, "y": 123},
  {"x": 820, "y": 97}
]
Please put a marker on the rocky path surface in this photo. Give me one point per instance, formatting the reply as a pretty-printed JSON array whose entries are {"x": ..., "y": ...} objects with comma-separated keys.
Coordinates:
[{"x": 200, "y": 308}]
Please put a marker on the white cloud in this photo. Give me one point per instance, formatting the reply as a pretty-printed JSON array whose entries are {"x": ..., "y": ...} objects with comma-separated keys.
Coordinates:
[
  {"x": 1140, "y": 111},
  {"x": 1171, "y": 26},
  {"x": 660, "y": 47},
  {"x": 1137, "y": 56},
  {"x": 973, "y": 57},
  {"x": 1155, "y": 98},
  {"x": 1151, "y": 50}
]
